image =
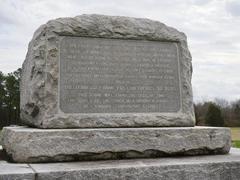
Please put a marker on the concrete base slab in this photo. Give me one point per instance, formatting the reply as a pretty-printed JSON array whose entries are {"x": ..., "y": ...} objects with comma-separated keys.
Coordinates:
[
  {"x": 210, "y": 167},
  {"x": 29, "y": 145},
  {"x": 9, "y": 171}
]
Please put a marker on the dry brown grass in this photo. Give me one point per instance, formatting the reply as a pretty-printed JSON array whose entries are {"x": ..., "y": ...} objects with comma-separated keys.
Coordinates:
[{"x": 235, "y": 133}]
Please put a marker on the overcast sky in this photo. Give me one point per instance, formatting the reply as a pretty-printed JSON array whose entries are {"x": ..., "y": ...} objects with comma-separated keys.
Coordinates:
[{"x": 212, "y": 28}]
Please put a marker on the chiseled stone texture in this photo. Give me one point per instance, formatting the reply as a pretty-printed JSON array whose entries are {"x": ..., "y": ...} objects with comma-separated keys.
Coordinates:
[
  {"x": 36, "y": 145},
  {"x": 217, "y": 167},
  {"x": 40, "y": 74}
]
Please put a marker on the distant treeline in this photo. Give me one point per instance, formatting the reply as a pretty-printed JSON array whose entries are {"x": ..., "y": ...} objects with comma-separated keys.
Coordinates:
[
  {"x": 9, "y": 98},
  {"x": 219, "y": 112}
]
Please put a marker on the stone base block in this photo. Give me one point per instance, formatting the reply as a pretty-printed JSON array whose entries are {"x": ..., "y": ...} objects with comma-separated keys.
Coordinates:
[
  {"x": 211, "y": 167},
  {"x": 24, "y": 144}
]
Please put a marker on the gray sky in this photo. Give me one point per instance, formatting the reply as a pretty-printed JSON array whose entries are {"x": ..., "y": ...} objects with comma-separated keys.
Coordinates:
[{"x": 212, "y": 28}]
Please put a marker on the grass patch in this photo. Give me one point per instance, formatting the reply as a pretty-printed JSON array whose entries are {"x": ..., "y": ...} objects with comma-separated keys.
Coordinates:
[
  {"x": 235, "y": 131},
  {"x": 236, "y": 144}
]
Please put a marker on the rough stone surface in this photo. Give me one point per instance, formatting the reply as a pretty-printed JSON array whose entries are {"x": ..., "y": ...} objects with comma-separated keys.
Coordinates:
[
  {"x": 40, "y": 75},
  {"x": 217, "y": 167},
  {"x": 36, "y": 145}
]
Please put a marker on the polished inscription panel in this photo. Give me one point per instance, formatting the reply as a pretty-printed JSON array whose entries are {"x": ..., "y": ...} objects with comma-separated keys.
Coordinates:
[{"x": 99, "y": 75}]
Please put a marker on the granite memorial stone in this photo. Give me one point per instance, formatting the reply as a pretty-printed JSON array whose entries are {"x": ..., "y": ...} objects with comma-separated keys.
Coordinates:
[
  {"x": 106, "y": 87},
  {"x": 103, "y": 71}
]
